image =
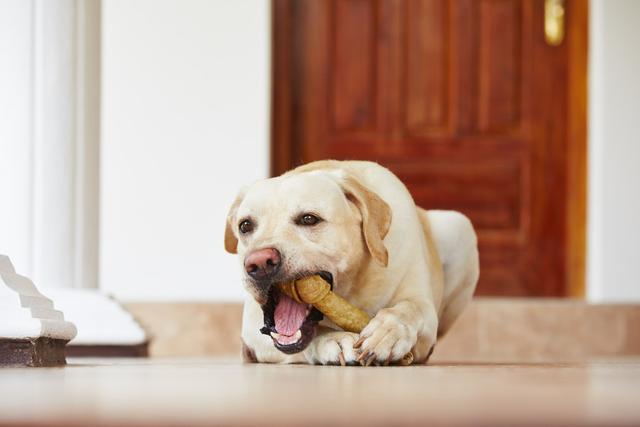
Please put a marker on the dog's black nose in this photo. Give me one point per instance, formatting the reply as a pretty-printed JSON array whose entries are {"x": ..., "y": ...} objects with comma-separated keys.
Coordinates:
[{"x": 263, "y": 263}]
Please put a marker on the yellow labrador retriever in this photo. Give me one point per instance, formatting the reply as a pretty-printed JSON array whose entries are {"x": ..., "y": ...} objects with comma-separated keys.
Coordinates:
[{"x": 356, "y": 225}]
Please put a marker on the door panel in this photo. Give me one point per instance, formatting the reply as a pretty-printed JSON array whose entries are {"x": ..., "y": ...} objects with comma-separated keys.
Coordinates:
[
  {"x": 463, "y": 100},
  {"x": 499, "y": 59},
  {"x": 426, "y": 93}
]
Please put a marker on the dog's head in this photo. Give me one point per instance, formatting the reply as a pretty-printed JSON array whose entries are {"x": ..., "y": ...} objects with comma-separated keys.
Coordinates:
[{"x": 303, "y": 223}]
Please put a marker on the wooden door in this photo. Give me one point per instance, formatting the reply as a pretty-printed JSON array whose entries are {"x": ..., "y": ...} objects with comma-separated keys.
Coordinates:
[{"x": 463, "y": 100}]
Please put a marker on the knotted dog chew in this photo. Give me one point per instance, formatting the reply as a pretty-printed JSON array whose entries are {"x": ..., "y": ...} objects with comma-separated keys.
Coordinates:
[{"x": 315, "y": 291}]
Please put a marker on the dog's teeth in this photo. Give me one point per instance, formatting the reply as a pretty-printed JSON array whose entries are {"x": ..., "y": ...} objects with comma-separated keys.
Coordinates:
[
  {"x": 298, "y": 335},
  {"x": 275, "y": 335}
]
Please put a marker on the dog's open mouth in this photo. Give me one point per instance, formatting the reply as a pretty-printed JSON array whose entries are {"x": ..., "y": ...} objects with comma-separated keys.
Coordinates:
[{"x": 291, "y": 325}]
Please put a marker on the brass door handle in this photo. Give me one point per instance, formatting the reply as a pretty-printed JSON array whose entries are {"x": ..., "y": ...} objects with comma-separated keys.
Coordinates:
[{"x": 554, "y": 22}]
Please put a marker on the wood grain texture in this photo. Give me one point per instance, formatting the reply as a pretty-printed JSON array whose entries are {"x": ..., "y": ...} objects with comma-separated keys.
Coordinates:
[
  {"x": 210, "y": 392},
  {"x": 427, "y": 67},
  {"x": 577, "y": 40},
  {"x": 499, "y": 59},
  {"x": 283, "y": 150},
  {"x": 353, "y": 46},
  {"x": 469, "y": 106}
]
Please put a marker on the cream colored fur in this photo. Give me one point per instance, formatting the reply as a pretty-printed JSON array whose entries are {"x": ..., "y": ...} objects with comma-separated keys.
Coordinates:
[{"x": 412, "y": 270}]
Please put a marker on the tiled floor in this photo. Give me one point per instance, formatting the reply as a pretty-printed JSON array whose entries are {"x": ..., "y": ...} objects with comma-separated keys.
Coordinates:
[{"x": 198, "y": 392}]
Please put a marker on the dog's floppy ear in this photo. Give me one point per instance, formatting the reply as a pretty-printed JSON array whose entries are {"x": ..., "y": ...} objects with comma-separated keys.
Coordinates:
[
  {"x": 376, "y": 217},
  {"x": 230, "y": 239}
]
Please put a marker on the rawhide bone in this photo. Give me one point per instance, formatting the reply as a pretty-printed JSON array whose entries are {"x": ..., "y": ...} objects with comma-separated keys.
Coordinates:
[{"x": 316, "y": 291}]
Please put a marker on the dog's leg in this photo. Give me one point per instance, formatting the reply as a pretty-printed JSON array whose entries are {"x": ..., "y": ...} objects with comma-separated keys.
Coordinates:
[
  {"x": 457, "y": 247},
  {"x": 331, "y": 347},
  {"x": 409, "y": 325}
]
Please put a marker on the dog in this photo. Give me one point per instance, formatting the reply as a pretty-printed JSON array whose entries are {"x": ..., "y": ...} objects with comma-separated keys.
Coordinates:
[{"x": 356, "y": 225}]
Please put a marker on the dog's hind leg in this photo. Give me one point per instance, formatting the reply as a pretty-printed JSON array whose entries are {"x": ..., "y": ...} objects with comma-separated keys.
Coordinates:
[{"x": 457, "y": 247}]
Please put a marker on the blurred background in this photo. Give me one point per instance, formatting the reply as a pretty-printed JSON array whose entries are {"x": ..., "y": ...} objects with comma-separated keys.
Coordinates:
[{"x": 127, "y": 127}]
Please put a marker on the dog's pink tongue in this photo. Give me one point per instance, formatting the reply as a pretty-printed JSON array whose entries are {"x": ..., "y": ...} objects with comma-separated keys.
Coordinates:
[{"x": 289, "y": 315}]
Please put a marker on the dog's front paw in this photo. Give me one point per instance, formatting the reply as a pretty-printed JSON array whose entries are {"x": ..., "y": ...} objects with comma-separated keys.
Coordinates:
[
  {"x": 385, "y": 339},
  {"x": 333, "y": 348}
]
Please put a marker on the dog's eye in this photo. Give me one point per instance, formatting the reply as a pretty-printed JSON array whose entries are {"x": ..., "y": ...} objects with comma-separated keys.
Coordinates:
[
  {"x": 308, "y": 220},
  {"x": 246, "y": 226}
]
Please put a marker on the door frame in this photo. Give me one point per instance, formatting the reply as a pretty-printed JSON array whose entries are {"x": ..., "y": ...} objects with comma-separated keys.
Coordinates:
[{"x": 285, "y": 133}]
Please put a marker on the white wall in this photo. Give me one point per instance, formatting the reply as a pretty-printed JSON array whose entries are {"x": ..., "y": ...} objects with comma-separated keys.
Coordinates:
[
  {"x": 185, "y": 111},
  {"x": 614, "y": 151},
  {"x": 16, "y": 132},
  {"x": 48, "y": 177}
]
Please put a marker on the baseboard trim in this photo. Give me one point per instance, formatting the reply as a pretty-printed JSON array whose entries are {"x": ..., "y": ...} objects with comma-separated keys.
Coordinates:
[
  {"x": 490, "y": 330},
  {"x": 137, "y": 350},
  {"x": 190, "y": 329}
]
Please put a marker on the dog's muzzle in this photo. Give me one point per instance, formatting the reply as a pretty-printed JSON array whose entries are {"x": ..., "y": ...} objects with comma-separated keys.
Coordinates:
[{"x": 291, "y": 325}]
